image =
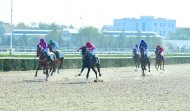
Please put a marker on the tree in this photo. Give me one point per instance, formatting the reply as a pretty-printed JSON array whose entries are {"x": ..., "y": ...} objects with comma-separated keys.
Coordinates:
[
  {"x": 88, "y": 34},
  {"x": 21, "y": 25},
  {"x": 180, "y": 34},
  {"x": 54, "y": 35}
]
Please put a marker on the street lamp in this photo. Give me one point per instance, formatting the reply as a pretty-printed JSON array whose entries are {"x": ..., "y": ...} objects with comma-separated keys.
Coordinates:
[{"x": 11, "y": 39}]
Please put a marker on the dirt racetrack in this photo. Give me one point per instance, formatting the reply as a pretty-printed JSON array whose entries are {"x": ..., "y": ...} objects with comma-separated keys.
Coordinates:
[{"x": 123, "y": 89}]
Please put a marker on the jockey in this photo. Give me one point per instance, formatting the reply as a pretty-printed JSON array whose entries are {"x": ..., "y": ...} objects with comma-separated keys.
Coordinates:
[
  {"x": 144, "y": 45},
  {"x": 137, "y": 49},
  {"x": 157, "y": 49},
  {"x": 55, "y": 48},
  {"x": 91, "y": 49},
  {"x": 44, "y": 46}
]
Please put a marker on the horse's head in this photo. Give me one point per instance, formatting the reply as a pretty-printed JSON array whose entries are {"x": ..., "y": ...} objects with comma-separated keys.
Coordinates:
[
  {"x": 142, "y": 50},
  {"x": 84, "y": 51},
  {"x": 134, "y": 51},
  {"x": 39, "y": 51}
]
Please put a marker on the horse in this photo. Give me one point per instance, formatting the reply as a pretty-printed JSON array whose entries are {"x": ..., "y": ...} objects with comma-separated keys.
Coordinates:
[
  {"x": 136, "y": 58},
  {"x": 60, "y": 58},
  {"x": 160, "y": 60},
  {"x": 45, "y": 63},
  {"x": 90, "y": 64},
  {"x": 144, "y": 61}
]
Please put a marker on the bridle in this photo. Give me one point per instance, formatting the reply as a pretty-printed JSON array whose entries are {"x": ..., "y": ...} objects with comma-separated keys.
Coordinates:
[{"x": 40, "y": 54}]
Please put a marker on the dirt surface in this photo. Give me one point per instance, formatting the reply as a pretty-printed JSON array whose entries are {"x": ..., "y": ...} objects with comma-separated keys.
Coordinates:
[{"x": 123, "y": 89}]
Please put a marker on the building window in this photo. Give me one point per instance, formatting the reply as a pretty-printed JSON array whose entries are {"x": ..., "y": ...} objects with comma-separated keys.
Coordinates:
[
  {"x": 143, "y": 26},
  {"x": 155, "y": 24},
  {"x": 160, "y": 24},
  {"x": 163, "y": 24}
]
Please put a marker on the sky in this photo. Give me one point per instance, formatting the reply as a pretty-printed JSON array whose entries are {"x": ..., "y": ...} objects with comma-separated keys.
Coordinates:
[{"x": 95, "y": 13}]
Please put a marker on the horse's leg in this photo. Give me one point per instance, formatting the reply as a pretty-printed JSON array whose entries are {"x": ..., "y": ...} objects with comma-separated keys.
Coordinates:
[
  {"x": 163, "y": 66},
  {"x": 142, "y": 67},
  {"x": 148, "y": 65},
  {"x": 61, "y": 62},
  {"x": 87, "y": 75},
  {"x": 143, "y": 71},
  {"x": 163, "y": 62},
  {"x": 156, "y": 63},
  {"x": 98, "y": 67},
  {"x": 95, "y": 73},
  {"x": 44, "y": 70},
  {"x": 51, "y": 70},
  {"x": 138, "y": 64},
  {"x": 81, "y": 70},
  {"x": 47, "y": 74},
  {"x": 37, "y": 70}
]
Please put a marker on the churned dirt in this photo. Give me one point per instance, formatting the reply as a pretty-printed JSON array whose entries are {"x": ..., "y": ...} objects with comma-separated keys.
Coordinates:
[{"x": 123, "y": 89}]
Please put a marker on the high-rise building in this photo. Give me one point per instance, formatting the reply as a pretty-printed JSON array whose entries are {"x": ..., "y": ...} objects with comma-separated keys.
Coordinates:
[{"x": 161, "y": 26}]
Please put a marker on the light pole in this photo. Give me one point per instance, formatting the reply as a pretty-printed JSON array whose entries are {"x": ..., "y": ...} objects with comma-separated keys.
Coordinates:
[{"x": 11, "y": 38}]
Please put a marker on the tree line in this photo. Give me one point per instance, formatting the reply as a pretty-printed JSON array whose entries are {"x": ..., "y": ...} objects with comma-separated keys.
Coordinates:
[{"x": 91, "y": 34}]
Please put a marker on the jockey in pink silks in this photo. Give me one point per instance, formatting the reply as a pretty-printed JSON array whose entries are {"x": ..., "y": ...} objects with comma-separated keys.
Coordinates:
[
  {"x": 44, "y": 46},
  {"x": 91, "y": 49}
]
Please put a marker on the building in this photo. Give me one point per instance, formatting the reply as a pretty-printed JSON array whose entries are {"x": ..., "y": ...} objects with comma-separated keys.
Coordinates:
[
  {"x": 28, "y": 32},
  {"x": 161, "y": 26}
]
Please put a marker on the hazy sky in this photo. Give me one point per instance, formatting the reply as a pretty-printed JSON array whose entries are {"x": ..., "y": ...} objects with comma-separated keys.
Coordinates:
[{"x": 93, "y": 12}]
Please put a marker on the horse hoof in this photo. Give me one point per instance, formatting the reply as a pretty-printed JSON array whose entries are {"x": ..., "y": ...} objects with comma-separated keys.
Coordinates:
[
  {"x": 79, "y": 75},
  {"x": 100, "y": 81},
  {"x": 95, "y": 80},
  {"x": 100, "y": 75}
]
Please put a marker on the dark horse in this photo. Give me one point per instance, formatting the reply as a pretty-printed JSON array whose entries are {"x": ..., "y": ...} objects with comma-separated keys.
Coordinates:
[
  {"x": 144, "y": 61},
  {"x": 45, "y": 63},
  {"x": 60, "y": 59},
  {"x": 89, "y": 63},
  {"x": 136, "y": 58},
  {"x": 160, "y": 60}
]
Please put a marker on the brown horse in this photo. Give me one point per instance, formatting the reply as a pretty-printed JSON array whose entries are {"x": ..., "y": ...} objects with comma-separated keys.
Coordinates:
[
  {"x": 160, "y": 61},
  {"x": 144, "y": 61},
  {"x": 136, "y": 58},
  {"x": 45, "y": 63},
  {"x": 60, "y": 58}
]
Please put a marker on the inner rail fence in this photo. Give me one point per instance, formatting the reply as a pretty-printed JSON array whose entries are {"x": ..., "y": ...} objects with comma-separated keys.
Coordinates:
[{"x": 18, "y": 50}]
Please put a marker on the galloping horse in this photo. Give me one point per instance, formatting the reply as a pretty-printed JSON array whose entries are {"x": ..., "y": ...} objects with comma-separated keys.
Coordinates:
[
  {"x": 136, "y": 58},
  {"x": 144, "y": 61},
  {"x": 45, "y": 63},
  {"x": 89, "y": 63},
  {"x": 60, "y": 58},
  {"x": 160, "y": 60}
]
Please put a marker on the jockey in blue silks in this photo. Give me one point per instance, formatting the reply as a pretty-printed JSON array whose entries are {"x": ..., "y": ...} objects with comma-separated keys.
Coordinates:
[{"x": 144, "y": 45}]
